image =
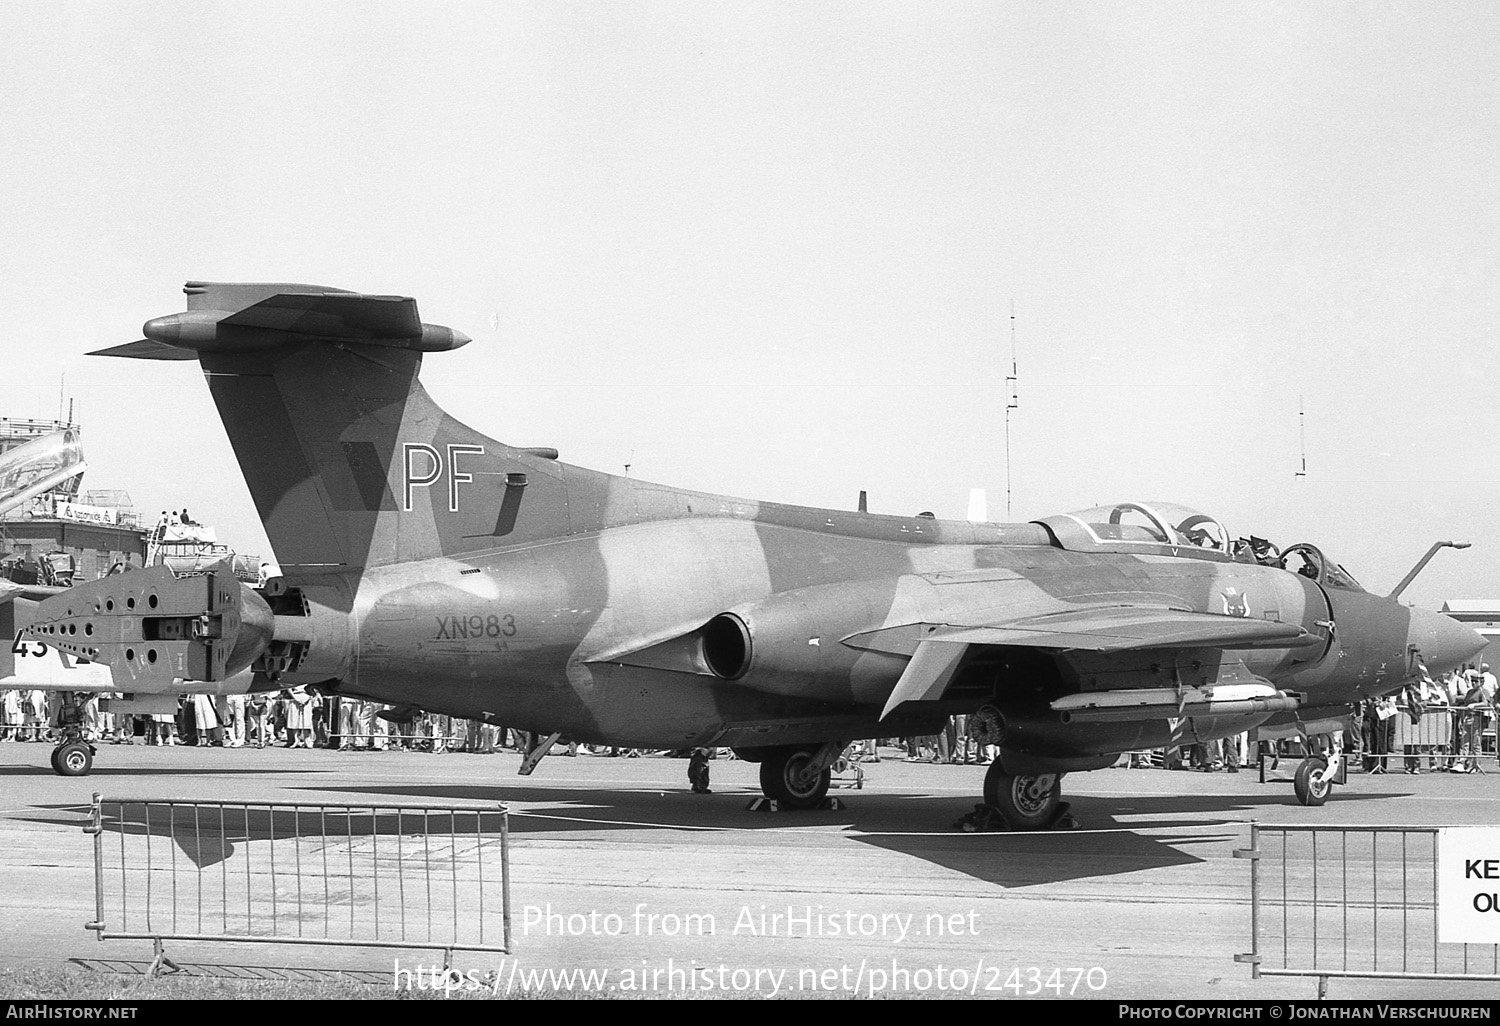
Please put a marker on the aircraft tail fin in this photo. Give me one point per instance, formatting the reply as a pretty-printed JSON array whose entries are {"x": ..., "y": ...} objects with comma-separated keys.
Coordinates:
[
  {"x": 237, "y": 317},
  {"x": 349, "y": 461}
]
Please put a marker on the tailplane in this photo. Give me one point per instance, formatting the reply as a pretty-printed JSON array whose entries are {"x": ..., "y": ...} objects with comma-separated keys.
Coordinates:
[{"x": 350, "y": 463}]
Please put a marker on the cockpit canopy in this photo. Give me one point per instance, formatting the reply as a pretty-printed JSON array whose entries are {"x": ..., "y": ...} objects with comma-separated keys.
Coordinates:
[
  {"x": 1170, "y": 528},
  {"x": 1150, "y": 524},
  {"x": 1311, "y": 563}
]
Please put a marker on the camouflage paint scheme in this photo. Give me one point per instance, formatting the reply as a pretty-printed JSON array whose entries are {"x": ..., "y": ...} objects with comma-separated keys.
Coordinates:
[{"x": 425, "y": 564}]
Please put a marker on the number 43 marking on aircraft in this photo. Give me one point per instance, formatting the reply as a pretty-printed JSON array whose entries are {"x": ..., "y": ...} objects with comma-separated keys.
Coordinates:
[{"x": 20, "y": 647}]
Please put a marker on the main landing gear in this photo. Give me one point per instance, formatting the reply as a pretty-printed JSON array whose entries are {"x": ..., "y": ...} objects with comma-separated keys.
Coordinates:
[
  {"x": 1026, "y": 801},
  {"x": 795, "y": 776},
  {"x": 798, "y": 777},
  {"x": 1019, "y": 801}
]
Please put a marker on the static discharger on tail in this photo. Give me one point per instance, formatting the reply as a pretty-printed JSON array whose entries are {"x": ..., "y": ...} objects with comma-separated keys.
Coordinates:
[{"x": 428, "y": 566}]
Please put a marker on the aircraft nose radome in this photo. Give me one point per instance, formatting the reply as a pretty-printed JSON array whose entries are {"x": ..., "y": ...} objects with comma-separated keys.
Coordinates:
[{"x": 1443, "y": 641}]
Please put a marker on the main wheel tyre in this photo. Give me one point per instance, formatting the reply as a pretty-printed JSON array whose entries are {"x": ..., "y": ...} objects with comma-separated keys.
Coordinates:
[
  {"x": 73, "y": 759},
  {"x": 1311, "y": 791},
  {"x": 1025, "y": 801},
  {"x": 785, "y": 776}
]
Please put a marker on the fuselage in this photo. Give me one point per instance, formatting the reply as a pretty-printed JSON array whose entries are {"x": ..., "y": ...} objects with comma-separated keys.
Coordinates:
[{"x": 547, "y": 635}]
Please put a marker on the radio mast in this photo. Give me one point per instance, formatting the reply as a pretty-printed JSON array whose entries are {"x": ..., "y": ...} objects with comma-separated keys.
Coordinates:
[
  {"x": 1302, "y": 432},
  {"x": 1012, "y": 402}
]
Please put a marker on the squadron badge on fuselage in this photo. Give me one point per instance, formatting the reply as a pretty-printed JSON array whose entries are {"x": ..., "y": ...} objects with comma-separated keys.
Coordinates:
[{"x": 1236, "y": 602}]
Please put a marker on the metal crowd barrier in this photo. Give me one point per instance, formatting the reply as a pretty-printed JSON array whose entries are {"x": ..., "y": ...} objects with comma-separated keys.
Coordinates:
[
  {"x": 1437, "y": 738},
  {"x": 1358, "y": 901},
  {"x": 387, "y": 876},
  {"x": 449, "y": 742}
]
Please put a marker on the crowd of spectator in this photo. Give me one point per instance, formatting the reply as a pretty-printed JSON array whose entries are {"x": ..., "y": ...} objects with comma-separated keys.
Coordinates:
[
  {"x": 1442, "y": 722},
  {"x": 288, "y": 719}
]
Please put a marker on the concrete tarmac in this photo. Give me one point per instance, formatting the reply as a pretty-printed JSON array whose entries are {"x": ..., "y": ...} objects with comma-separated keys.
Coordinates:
[{"x": 1146, "y": 901}]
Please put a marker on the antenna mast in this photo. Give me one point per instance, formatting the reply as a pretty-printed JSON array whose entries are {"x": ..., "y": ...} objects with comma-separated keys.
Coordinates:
[
  {"x": 1012, "y": 402},
  {"x": 1302, "y": 431}
]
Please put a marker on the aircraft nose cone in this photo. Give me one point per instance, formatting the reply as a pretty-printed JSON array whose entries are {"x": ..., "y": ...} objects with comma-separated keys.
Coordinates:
[{"x": 1443, "y": 642}]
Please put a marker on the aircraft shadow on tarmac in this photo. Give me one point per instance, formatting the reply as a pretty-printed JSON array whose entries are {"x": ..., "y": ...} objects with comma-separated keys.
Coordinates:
[
  {"x": 919, "y": 825},
  {"x": 1163, "y": 831}
]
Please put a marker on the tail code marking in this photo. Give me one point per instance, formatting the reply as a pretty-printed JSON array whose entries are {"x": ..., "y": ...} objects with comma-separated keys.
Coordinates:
[{"x": 433, "y": 469}]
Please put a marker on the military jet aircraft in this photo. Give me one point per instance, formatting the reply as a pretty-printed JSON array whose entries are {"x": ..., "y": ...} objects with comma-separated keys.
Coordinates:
[{"x": 427, "y": 565}]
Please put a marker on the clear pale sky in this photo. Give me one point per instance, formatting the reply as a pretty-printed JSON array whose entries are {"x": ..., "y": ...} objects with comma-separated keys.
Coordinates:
[{"x": 771, "y": 249}]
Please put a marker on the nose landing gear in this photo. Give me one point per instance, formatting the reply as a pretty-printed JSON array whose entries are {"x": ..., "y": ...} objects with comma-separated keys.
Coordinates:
[{"x": 1313, "y": 782}]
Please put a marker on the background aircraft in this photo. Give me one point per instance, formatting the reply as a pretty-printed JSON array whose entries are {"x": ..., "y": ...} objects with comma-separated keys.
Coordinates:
[
  {"x": 39, "y": 465},
  {"x": 427, "y": 565}
]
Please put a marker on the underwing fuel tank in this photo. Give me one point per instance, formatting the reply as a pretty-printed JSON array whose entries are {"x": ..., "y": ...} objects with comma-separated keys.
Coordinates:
[{"x": 153, "y": 629}]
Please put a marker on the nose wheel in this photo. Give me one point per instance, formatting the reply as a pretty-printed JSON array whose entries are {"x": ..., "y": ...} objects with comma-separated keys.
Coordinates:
[
  {"x": 1313, "y": 782},
  {"x": 1026, "y": 801}
]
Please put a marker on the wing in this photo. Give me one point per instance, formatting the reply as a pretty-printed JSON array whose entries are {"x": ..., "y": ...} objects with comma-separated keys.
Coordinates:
[
  {"x": 1106, "y": 629},
  {"x": 937, "y": 649}
]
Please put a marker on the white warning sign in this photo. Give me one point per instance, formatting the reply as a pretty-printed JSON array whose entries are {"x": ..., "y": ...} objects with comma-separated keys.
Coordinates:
[{"x": 1468, "y": 885}]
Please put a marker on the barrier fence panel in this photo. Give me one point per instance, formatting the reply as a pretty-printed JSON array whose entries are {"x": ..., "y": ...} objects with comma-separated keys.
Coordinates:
[
  {"x": 1440, "y": 737},
  {"x": 1358, "y": 901},
  {"x": 391, "y": 876}
]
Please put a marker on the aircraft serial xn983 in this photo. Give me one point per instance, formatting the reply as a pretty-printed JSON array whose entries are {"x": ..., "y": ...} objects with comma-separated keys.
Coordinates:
[{"x": 428, "y": 566}]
